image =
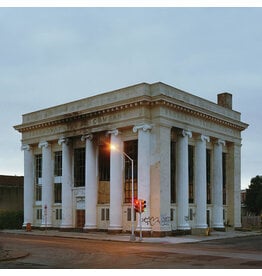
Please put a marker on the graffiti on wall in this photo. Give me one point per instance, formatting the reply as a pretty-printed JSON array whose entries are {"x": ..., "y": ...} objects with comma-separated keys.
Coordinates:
[{"x": 163, "y": 220}]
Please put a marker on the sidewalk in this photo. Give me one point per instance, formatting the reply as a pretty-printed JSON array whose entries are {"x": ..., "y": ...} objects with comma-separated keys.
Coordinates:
[
  {"x": 126, "y": 237},
  {"x": 8, "y": 255}
]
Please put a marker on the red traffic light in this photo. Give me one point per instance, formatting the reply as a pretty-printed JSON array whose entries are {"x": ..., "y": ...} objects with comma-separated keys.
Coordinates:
[{"x": 137, "y": 205}]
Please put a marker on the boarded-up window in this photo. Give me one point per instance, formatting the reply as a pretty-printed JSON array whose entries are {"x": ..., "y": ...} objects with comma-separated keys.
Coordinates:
[{"x": 130, "y": 148}]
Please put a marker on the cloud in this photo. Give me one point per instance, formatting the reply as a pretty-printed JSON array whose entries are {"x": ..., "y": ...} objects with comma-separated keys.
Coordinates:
[{"x": 51, "y": 56}]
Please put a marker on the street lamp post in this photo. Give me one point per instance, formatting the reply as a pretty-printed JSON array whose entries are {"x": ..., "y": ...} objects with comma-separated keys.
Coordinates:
[{"x": 132, "y": 237}]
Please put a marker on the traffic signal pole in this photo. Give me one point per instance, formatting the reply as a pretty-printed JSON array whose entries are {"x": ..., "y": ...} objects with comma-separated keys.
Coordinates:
[
  {"x": 140, "y": 219},
  {"x": 139, "y": 206},
  {"x": 132, "y": 237}
]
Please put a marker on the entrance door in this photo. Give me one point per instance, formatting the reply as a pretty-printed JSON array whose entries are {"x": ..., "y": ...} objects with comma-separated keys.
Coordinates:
[{"x": 80, "y": 218}]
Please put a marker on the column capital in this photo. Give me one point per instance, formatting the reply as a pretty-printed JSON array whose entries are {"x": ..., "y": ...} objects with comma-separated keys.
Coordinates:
[
  {"x": 26, "y": 147},
  {"x": 204, "y": 138},
  {"x": 220, "y": 142},
  {"x": 88, "y": 136},
  {"x": 144, "y": 127},
  {"x": 114, "y": 132},
  {"x": 44, "y": 144},
  {"x": 63, "y": 140},
  {"x": 187, "y": 133}
]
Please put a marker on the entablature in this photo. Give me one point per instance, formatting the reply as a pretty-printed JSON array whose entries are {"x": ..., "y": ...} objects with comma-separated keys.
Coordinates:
[{"x": 97, "y": 114}]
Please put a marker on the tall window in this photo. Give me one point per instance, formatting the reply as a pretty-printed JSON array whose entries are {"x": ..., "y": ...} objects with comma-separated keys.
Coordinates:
[
  {"x": 104, "y": 173},
  {"x": 191, "y": 173},
  {"x": 58, "y": 192},
  {"x": 129, "y": 215},
  {"x": 105, "y": 214},
  {"x": 224, "y": 178},
  {"x": 208, "y": 172},
  {"x": 58, "y": 172},
  {"x": 38, "y": 166},
  {"x": 58, "y": 214},
  {"x": 130, "y": 148},
  {"x": 38, "y": 175},
  {"x": 173, "y": 171},
  {"x": 58, "y": 163},
  {"x": 104, "y": 163},
  {"x": 79, "y": 167},
  {"x": 38, "y": 214}
]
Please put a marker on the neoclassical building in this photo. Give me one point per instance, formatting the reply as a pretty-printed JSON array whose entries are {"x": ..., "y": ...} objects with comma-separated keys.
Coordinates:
[{"x": 186, "y": 154}]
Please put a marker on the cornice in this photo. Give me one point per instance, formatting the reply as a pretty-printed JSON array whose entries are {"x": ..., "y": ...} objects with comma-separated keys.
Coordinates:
[
  {"x": 74, "y": 116},
  {"x": 202, "y": 114},
  {"x": 186, "y": 108}
]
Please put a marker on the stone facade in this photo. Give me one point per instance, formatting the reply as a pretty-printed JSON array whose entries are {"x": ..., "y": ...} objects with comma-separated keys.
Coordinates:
[{"x": 185, "y": 152}]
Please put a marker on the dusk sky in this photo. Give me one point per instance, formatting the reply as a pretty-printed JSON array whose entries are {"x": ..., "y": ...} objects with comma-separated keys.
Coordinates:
[{"x": 51, "y": 56}]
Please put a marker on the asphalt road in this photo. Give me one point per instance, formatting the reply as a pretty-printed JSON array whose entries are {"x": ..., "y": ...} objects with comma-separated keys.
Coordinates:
[{"x": 65, "y": 253}]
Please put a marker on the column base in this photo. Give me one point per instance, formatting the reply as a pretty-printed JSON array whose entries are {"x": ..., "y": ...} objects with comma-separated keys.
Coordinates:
[
  {"x": 218, "y": 227},
  {"x": 90, "y": 227},
  {"x": 184, "y": 227},
  {"x": 48, "y": 226},
  {"x": 201, "y": 226}
]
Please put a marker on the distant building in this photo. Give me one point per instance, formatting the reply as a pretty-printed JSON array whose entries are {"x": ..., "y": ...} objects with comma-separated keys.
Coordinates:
[
  {"x": 186, "y": 154},
  {"x": 11, "y": 193}
]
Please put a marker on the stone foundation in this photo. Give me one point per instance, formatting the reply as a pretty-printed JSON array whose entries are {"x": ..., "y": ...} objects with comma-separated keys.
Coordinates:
[
  {"x": 200, "y": 231},
  {"x": 114, "y": 231},
  {"x": 181, "y": 232},
  {"x": 221, "y": 229}
]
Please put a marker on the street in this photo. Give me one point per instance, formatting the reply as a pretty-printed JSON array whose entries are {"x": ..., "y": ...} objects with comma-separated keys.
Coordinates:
[{"x": 57, "y": 252}]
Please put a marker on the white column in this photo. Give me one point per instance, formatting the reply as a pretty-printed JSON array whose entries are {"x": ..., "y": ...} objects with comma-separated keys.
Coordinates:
[
  {"x": 47, "y": 184},
  {"x": 67, "y": 203},
  {"x": 217, "y": 194},
  {"x": 116, "y": 182},
  {"x": 182, "y": 180},
  {"x": 28, "y": 185},
  {"x": 144, "y": 169},
  {"x": 201, "y": 182},
  {"x": 91, "y": 184}
]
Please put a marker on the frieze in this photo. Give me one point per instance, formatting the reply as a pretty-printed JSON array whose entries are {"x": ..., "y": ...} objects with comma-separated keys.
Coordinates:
[
  {"x": 44, "y": 131},
  {"x": 199, "y": 122},
  {"x": 83, "y": 123},
  {"x": 73, "y": 122}
]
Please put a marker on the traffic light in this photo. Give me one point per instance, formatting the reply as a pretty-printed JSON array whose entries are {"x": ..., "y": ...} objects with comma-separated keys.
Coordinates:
[
  {"x": 137, "y": 205},
  {"x": 143, "y": 205}
]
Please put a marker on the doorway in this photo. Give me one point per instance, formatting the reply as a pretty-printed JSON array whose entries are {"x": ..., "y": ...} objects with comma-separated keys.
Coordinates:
[{"x": 80, "y": 218}]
